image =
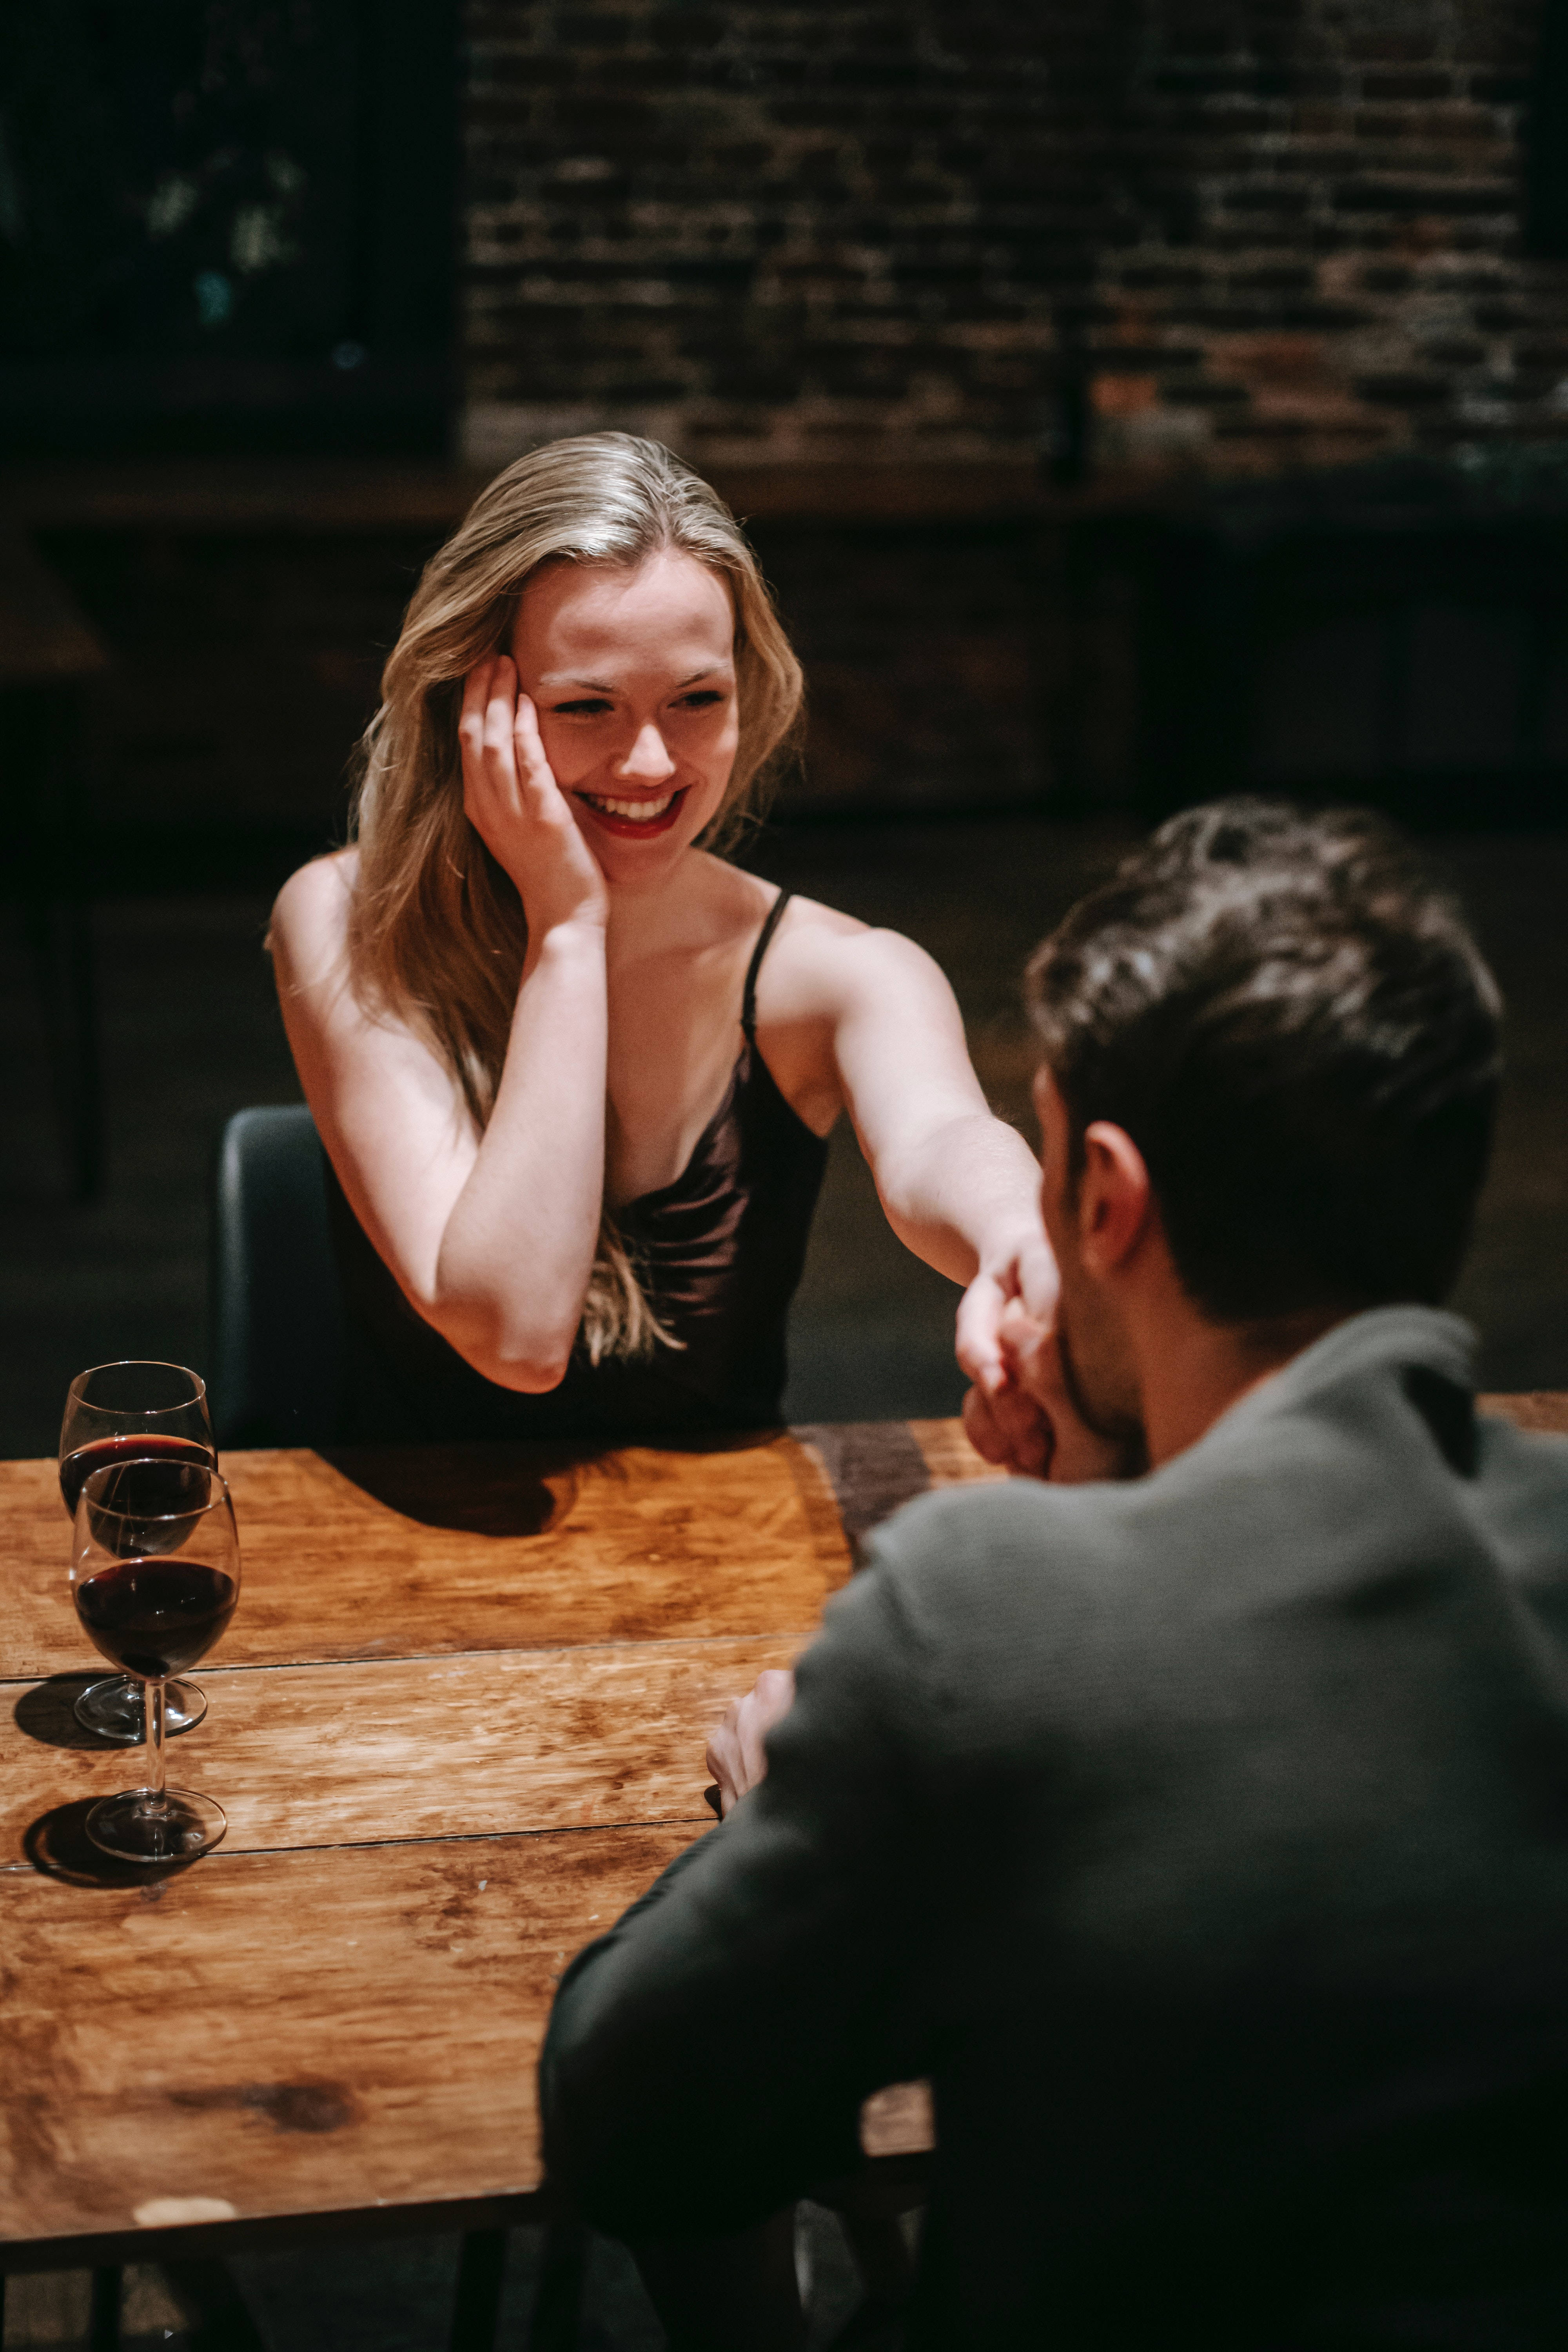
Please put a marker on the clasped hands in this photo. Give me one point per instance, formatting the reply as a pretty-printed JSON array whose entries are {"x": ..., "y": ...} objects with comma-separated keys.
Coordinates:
[{"x": 1019, "y": 1412}]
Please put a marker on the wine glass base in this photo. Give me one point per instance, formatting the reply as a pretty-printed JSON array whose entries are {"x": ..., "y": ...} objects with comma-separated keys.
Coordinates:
[
  {"x": 138, "y": 1827},
  {"x": 113, "y": 1709}
]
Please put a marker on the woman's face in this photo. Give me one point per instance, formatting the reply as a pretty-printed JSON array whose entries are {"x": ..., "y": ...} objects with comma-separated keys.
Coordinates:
[{"x": 632, "y": 673}]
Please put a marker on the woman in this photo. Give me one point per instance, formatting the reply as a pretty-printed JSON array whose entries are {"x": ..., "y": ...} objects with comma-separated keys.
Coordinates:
[{"x": 574, "y": 1072}]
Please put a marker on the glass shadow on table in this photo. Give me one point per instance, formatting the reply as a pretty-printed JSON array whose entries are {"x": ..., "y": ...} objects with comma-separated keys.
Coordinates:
[
  {"x": 46, "y": 1712},
  {"x": 58, "y": 1846},
  {"x": 57, "y": 1843}
]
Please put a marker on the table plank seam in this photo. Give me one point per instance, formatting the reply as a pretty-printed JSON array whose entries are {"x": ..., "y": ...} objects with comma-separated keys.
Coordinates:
[
  {"x": 703, "y": 1817},
  {"x": 442, "y": 1657}
]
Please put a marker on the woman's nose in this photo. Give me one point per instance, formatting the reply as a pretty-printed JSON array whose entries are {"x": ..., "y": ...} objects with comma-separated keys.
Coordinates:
[{"x": 647, "y": 757}]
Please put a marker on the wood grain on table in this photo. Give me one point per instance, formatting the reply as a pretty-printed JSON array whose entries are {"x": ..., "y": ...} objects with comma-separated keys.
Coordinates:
[
  {"x": 468, "y": 1745},
  {"x": 383, "y": 1552},
  {"x": 458, "y": 1725},
  {"x": 388, "y": 1553},
  {"x": 1544, "y": 1410},
  {"x": 313, "y": 2033}
]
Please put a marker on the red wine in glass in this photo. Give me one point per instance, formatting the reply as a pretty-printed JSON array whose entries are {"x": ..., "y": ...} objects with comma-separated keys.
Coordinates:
[
  {"x": 154, "y": 1577},
  {"x": 140, "y": 1410},
  {"x": 101, "y": 1452},
  {"x": 156, "y": 1617}
]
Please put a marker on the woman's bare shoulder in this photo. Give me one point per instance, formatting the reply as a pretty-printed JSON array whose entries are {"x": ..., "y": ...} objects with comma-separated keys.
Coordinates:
[
  {"x": 730, "y": 905},
  {"x": 827, "y": 962},
  {"x": 311, "y": 915},
  {"x": 808, "y": 921},
  {"x": 815, "y": 938},
  {"x": 823, "y": 961}
]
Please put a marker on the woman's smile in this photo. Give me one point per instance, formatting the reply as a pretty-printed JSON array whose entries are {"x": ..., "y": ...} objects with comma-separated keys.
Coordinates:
[{"x": 634, "y": 819}]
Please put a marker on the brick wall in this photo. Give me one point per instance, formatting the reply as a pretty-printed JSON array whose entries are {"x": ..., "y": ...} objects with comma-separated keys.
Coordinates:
[{"x": 1254, "y": 231}]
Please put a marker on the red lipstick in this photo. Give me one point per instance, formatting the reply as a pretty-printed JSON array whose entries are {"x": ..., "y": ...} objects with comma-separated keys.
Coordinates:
[{"x": 631, "y": 828}]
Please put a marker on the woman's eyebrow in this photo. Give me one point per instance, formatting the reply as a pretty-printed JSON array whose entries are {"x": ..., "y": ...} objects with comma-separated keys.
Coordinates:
[{"x": 554, "y": 677}]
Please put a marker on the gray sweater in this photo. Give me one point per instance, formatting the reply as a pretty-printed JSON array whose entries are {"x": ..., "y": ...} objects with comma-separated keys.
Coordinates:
[{"x": 1204, "y": 1838}]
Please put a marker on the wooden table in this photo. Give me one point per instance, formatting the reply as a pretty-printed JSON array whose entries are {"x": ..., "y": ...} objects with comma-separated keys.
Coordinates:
[{"x": 458, "y": 1723}]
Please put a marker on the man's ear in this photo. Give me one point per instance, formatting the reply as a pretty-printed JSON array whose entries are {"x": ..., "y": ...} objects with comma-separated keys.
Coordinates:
[{"x": 1115, "y": 1199}]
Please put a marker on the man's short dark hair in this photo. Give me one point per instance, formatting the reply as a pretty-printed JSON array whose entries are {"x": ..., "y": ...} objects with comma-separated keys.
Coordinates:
[{"x": 1290, "y": 1019}]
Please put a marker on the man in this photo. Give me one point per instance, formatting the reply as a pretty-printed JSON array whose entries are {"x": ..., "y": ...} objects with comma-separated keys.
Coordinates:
[{"x": 1202, "y": 1834}]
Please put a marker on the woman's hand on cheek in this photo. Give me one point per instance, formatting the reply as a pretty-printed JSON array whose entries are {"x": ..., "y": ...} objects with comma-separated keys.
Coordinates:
[{"x": 520, "y": 812}]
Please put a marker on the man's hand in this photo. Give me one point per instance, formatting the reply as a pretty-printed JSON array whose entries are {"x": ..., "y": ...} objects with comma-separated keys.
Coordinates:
[
  {"x": 1008, "y": 1428},
  {"x": 1028, "y": 1424},
  {"x": 735, "y": 1753}
]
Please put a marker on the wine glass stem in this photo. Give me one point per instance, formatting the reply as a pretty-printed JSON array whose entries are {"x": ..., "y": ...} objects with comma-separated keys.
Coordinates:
[{"x": 152, "y": 1700}]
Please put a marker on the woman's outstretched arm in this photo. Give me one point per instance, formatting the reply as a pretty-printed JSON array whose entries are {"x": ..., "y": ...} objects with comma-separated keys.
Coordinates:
[
  {"x": 960, "y": 1188},
  {"x": 491, "y": 1238}
]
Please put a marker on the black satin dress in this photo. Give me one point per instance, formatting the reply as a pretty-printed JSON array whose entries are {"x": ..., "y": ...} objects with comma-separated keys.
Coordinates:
[{"x": 719, "y": 1253}]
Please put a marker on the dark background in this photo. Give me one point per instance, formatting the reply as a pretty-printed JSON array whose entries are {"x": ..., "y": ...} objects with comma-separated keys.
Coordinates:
[
  {"x": 1252, "y": 232},
  {"x": 1130, "y": 401}
]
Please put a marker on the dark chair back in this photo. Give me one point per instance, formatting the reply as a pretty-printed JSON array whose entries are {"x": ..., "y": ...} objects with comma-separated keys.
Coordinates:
[{"x": 277, "y": 1356}]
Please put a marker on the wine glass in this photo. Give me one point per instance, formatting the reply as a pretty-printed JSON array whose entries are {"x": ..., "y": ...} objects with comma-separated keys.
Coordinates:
[
  {"x": 155, "y": 1576},
  {"x": 117, "y": 1412}
]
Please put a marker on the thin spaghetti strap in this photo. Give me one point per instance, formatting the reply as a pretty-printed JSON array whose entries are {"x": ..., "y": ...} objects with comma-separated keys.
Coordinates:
[{"x": 749, "y": 1002}]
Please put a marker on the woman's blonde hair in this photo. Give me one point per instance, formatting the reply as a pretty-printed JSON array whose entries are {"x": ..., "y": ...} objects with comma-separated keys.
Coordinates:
[{"x": 437, "y": 935}]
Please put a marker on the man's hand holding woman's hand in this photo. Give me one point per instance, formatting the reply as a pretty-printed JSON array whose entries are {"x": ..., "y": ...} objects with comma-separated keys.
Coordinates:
[
  {"x": 519, "y": 809},
  {"x": 736, "y": 1756},
  {"x": 1022, "y": 1418}
]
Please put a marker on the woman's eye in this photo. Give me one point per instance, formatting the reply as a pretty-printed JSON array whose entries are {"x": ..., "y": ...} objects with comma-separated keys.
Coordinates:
[
  {"x": 703, "y": 699},
  {"x": 592, "y": 709}
]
